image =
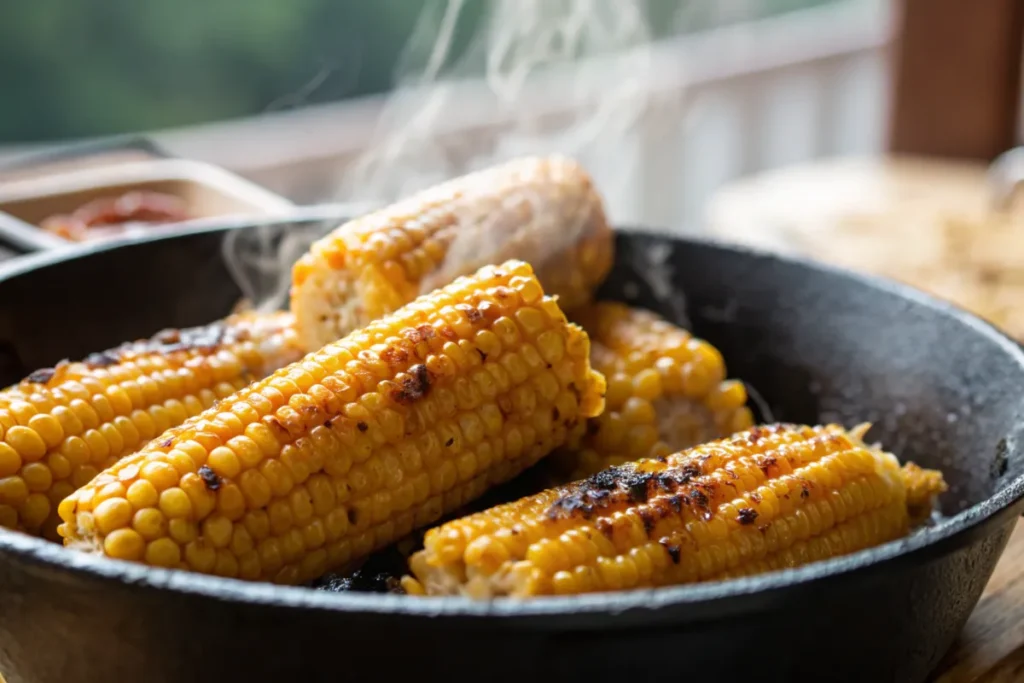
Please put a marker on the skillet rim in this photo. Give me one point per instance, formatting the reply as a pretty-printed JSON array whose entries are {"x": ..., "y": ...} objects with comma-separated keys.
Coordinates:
[{"x": 943, "y": 538}]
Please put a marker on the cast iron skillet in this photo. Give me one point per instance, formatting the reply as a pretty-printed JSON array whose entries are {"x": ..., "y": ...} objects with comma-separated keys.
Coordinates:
[{"x": 942, "y": 388}]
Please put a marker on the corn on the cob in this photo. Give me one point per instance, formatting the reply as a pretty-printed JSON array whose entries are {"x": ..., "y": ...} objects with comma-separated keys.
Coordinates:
[
  {"x": 666, "y": 390},
  {"x": 767, "y": 498},
  {"x": 60, "y": 426},
  {"x": 544, "y": 211},
  {"x": 351, "y": 448}
]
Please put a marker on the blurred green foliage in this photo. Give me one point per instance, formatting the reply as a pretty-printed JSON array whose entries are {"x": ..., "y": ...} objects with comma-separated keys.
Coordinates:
[{"x": 77, "y": 68}]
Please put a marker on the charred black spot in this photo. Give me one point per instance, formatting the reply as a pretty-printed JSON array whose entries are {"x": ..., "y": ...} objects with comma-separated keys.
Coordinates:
[
  {"x": 673, "y": 551},
  {"x": 756, "y": 434},
  {"x": 42, "y": 375},
  {"x": 605, "y": 527},
  {"x": 329, "y": 422},
  {"x": 362, "y": 426},
  {"x": 676, "y": 502},
  {"x": 747, "y": 515},
  {"x": 483, "y": 356},
  {"x": 353, "y": 516},
  {"x": 426, "y": 331},
  {"x": 449, "y": 442},
  {"x": 699, "y": 498},
  {"x": 209, "y": 478},
  {"x": 415, "y": 385},
  {"x": 636, "y": 486},
  {"x": 647, "y": 517},
  {"x": 549, "y": 365},
  {"x": 805, "y": 490},
  {"x": 688, "y": 472},
  {"x": 555, "y": 414},
  {"x": 604, "y": 480},
  {"x": 167, "y": 443},
  {"x": 103, "y": 359}
]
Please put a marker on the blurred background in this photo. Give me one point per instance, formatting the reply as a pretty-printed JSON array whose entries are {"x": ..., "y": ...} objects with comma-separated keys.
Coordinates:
[
  {"x": 877, "y": 134},
  {"x": 665, "y": 100}
]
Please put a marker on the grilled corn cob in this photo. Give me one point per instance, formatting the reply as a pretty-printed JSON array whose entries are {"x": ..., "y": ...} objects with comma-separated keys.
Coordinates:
[
  {"x": 544, "y": 211},
  {"x": 763, "y": 499},
  {"x": 60, "y": 426},
  {"x": 354, "y": 446},
  {"x": 666, "y": 390}
]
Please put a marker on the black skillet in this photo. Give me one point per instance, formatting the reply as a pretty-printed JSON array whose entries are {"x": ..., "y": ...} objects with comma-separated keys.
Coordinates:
[{"x": 941, "y": 387}]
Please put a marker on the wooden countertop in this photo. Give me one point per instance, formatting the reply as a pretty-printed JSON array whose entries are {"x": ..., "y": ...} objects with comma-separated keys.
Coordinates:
[{"x": 990, "y": 649}]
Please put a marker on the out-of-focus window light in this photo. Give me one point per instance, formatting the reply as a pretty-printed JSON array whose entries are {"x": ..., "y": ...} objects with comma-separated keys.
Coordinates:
[{"x": 74, "y": 69}]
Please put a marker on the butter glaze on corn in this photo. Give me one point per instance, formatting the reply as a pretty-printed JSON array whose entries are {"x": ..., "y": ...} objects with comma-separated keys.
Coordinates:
[
  {"x": 62, "y": 425},
  {"x": 666, "y": 390},
  {"x": 764, "y": 499},
  {"x": 544, "y": 211},
  {"x": 351, "y": 448}
]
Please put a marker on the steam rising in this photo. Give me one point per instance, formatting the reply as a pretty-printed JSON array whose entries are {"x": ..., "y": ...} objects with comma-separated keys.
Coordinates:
[
  {"x": 570, "y": 77},
  {"x": 542, "y": 61}
]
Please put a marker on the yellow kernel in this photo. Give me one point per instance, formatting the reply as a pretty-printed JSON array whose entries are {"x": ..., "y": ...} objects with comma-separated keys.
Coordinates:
[
  {"x": 76, "y": 450},
  {"x": 175, "y": 503},
  {"x": 150, "y": 523},
  {"x": 48, "y": 428},
  {"x": 231, "y": 501},
  {"x": 8, "y": 517},
  {"x": 224, "y": 462},
  {"x": 37, "y": 476},
  {"x": 35, "y": 510},
  {"x": 194, "y": 450},
  {"x": 27, "y": 442},
  {"x": 182, "y": 530},
  {"x": 163, "y": 552},
  {"x": 181, "y": 461},
  {"x": 270, "y": 555},
  {"x": 217, "y": 531},
  {"x": 638, "y": 411},
  {"x": 124, "y": 544},
  {"x": 200, "y": 556},
  {"x": 10, "y": 461},
  {"x": 58, "y": 465},
  {"x": 255, "y": 488},
  {"x": 248, "y": 452},
  {"x": 226, "y": 564},
  {"x": 551, "y": 345},
  {"x": 83, "y": 475},
  {"x": 160, "y": 474},
  {"x": 647, "y": 384},
  {"x": 141, "y": 494},
  {"x": 13, "y": 491}
]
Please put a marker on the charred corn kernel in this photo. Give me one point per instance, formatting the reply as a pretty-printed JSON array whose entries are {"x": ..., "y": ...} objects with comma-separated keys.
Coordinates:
[
  {"x": 544, "y": 211},
  {"x": 354, "y": 469},
  {"x": 666, "y": 391},
  {"x": 767, "y": 498},
  {"x": 67, "y": 422}
]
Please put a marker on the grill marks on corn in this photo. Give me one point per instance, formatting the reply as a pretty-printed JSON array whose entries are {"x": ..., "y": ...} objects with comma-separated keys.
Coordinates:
[
  {"x": 360, "y": 442},
  {"x": 767, "y": 498},
  {"x": 60, "y": 426}
]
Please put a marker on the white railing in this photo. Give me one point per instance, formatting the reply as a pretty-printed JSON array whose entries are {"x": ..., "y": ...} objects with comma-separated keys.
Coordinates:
[{"x": 717, "y": 105}]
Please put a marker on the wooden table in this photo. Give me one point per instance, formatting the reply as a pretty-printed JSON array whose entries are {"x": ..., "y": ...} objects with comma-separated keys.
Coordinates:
[{"x": 990, "y": 649}]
